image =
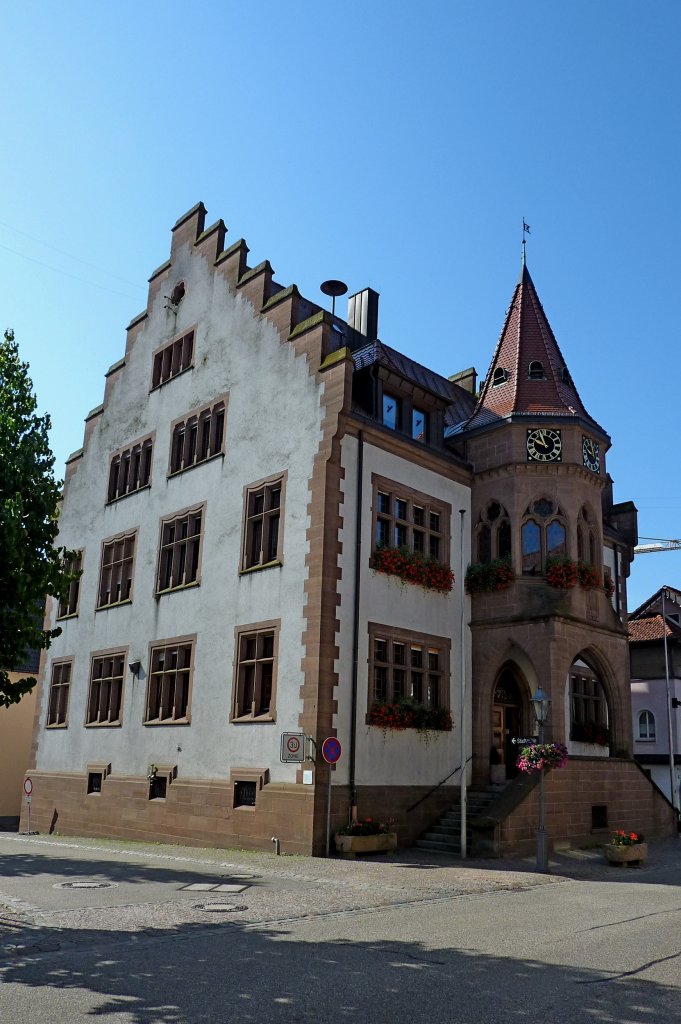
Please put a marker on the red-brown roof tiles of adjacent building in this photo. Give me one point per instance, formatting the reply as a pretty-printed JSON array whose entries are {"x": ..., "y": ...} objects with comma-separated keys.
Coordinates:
[
  {"x": 649, "y": 629},
  {"x": 527, "y": 344}
]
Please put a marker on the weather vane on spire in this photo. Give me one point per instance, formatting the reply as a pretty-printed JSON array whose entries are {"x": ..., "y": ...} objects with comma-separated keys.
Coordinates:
[{"x": 526, "y": 231}]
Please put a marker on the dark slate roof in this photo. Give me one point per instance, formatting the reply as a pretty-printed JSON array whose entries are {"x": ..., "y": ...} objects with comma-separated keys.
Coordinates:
[
  {"x": 460, "y": 403},
  {"x": 527, "y": 337}
]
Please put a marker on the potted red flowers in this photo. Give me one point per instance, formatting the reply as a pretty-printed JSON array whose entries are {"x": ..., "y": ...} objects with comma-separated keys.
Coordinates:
[
  {"x": 626, "y": 848},
  {"x": 413, "y": 567}
]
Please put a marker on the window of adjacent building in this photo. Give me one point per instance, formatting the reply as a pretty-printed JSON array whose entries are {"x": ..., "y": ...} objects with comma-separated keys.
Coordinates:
[
  {"x": 406, "y": 665},
  {"x": 419, "y": 425},
  {"x": 262, "y": 533},
  {"x": 115, "y": 575},
  {"x": 169, "y": 682},
  {"x": 198, "y": 437},
  {"x": 646, "y": 725},
  {"x": 130, "y": 469},
  {"x": 494, "y": 534},
  {"x": 58, "y": 701},
  {"x": 172, "y": 359},
  {"x": 404, "y": 518},
  {"x": 391, "y": 411},
  {"x": 543, "y": 535},
  {"x": 106, "y": 690},
  {"x": 68, "y": 605},
  {"x": 180, "y": 550},
  {"x": 256, "y": 672}
]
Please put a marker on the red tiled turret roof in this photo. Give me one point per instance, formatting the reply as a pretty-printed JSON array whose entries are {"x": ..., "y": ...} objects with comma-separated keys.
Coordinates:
[{"x": 527, "y": 338}]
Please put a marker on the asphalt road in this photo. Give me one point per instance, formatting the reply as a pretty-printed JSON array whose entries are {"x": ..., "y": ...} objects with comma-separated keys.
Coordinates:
[{"x": 303, "y": 940}]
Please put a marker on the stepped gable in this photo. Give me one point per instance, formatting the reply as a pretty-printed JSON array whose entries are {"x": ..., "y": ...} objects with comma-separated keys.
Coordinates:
[
  {"x": 460, "y": 403},
  {"x": 527, "y": 338}
]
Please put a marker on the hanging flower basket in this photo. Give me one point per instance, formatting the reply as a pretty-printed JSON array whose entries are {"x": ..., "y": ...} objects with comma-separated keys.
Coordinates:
[
  {"x": 411, "y": 567},
  {"x": 537, "y": 756},
  {"x": 486, "y": 577}
]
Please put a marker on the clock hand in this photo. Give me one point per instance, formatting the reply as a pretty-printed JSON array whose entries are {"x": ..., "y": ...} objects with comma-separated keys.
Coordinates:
[{"x": 540, "y": 439}]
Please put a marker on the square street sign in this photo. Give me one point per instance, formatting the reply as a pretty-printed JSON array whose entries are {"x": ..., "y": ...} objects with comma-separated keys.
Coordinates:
[{"x": 292, "y": 746}]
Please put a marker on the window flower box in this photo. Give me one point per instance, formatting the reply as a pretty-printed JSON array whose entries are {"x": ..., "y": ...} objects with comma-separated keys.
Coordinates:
[
  {"x": 486, "y": 577},
  {"x": 412, "y": 567},
  {"x": 408, "y": 714}
]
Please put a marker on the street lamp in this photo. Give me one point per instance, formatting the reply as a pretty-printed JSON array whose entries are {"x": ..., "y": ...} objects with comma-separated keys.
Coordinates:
[{"x": 541, "y": 705}]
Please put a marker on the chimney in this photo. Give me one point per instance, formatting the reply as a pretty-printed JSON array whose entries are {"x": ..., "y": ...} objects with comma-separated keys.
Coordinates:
[{"x": 363, "y": 313}]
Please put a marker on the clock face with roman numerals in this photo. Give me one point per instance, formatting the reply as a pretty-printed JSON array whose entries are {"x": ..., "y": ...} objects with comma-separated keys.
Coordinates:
[
  {"x": 591, "y": 454},
  {"x": 544, "y": 445}
]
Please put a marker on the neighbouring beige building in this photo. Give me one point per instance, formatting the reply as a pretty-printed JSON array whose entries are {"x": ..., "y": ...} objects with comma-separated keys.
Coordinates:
[{"x": 16, "y": 735}]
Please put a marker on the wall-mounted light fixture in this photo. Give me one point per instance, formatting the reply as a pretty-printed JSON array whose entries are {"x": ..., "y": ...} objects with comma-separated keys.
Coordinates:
[{"x": 135, "y": 667}]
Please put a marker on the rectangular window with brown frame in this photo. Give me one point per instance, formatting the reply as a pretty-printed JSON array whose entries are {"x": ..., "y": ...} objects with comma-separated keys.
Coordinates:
[
  {"x": 116, "y": 572},
  {"x": 130, "y": 469},
  {"x": 198, "y": 436},
  {"x": 180, "y": 550},
  {"x": 106, "y": 689},
  {"x": 262, "y": 527},
  {"x": 169, "y": 684},
  {"x": 68, "y": 604},
  {"x": 405, "y": 518},
  {"x": 255, "y": 673},
  {"x": 404, "y": 665},
  {"x": 58, "y": 701},
  {"x": 172, "y": 359}
]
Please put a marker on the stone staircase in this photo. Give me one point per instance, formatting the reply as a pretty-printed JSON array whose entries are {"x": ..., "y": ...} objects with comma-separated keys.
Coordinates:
[{"x": 445, "y": 837}]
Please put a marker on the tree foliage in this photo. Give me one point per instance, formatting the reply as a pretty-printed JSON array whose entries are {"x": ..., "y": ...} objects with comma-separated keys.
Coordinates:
[{"x": 30, "y": 566}]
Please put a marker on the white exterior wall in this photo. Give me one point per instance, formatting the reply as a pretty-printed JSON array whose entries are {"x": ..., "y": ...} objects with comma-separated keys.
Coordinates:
[
  {"x": 272, "y": 425},
  {"x": 398, "y": 758},
  {"x": 651, "y": 695}
]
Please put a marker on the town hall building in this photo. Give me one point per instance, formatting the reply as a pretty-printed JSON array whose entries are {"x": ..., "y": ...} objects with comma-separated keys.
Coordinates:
[{"x": 287, "y": 530}]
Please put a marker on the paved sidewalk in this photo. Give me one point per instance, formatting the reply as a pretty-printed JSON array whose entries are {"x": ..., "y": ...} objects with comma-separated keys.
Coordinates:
[{"x": 144, "y": 886}]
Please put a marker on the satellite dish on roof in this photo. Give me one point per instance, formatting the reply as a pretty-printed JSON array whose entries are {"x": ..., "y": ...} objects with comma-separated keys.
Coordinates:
[{"x": 334, "y": 289}]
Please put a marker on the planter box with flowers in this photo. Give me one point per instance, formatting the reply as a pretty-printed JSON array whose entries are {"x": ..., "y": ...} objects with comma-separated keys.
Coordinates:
[
  {"x": 486, "y": 577},
  {"x": 367, "y": 836},
  {"x": 563, "y": 573},
  {"x": 626, "y": 848},
  {"x": 409, "y": 714},
  {"x": 412, "y": 567}
]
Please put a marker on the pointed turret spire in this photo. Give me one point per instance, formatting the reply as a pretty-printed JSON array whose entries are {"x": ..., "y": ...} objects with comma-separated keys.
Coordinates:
[{"x": 528, "y": 374}]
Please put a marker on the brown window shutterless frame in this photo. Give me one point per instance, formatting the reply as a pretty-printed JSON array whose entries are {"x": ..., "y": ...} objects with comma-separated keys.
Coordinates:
[{"x": 255, "y": 672}]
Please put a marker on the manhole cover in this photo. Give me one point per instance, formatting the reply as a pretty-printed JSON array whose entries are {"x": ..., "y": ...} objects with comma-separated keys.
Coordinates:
[
  {"x": 85, "y": 885},
  {"x": 220, "y": 908}
]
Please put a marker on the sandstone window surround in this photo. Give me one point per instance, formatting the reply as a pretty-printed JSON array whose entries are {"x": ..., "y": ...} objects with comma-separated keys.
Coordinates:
[
  {"x": 180, "y": 547},
  {"x": 60, "y": 688},
  {"x": 543, "y": 535},
  {"x": 262, "y": 542},
  {"x": 68, "y": 605},
  {"x": 404, "y": 664},
  {"x": 493, "y": 534},
  {"x": 130, "y": 469},
  {"x": 105, "y": 695},
  {"x": 169, "y": 685},
  {"x": 405, "y": 518},
  {"x": 96, "y": 772},
  {"x": 245, "y": 784},
  {"x": 117, "y": 570},
  {"x": 588, "y": 707},
  {"x": 256, "y": 653},
  {"x": 172, "y": 359},
  {"x": 198, "y": 436}
]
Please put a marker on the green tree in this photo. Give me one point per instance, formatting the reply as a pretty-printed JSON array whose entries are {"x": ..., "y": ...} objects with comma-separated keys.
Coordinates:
[{"x": 30, "y": 566}]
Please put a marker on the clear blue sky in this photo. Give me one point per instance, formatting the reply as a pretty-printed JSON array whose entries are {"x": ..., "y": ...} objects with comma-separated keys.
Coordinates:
[{"x": 389, "y": 144}]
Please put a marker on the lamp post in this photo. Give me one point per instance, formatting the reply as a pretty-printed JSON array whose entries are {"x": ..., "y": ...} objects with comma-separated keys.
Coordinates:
[{"x": 541, "y": 705}]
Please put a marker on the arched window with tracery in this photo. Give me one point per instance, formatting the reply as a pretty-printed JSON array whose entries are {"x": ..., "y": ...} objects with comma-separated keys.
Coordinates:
[
  {"x": 589, "y": 716},
  {"x": 543, "y": 535},
  {"x": 587, "y": 537},
  {"x": 493, "y": 534}
]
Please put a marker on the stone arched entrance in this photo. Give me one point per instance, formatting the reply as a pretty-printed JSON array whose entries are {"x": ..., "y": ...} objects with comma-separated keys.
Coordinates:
[{"x": 509, "y": 714}]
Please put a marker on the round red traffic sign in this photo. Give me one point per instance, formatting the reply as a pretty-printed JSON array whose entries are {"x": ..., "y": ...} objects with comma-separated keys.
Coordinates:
[
  {"x": 28, "y": 787},
  {"x": 293, "y": 744},
  {"x": 331, "y": 750}
]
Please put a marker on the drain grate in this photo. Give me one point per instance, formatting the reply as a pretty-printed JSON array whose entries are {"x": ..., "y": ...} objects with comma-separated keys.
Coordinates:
[
  {"x": 85, "y": 885},
  {"x": 220, "y": 908}
]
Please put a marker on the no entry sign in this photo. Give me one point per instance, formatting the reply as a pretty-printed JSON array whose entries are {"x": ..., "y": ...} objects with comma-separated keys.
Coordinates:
[{"x": 331, "y": 750}]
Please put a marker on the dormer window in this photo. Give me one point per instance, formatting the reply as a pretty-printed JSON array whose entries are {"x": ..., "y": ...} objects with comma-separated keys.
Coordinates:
[
  {"x": 536, "y": 370},
  {"x": 391, "y": 411},
  {"x": 500, "y": 376}
]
